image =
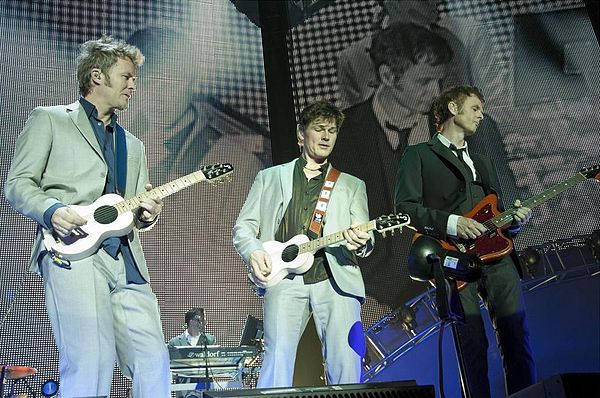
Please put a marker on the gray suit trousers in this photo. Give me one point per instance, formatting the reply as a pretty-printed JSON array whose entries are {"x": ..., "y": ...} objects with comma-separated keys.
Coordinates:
[{"x": 96, "y": 318}]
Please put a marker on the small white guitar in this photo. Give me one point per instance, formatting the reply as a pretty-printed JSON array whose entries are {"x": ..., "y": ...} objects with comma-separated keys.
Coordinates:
[
  {"x": 111, "y": 215},
  {"x": 296, "y": 256}
]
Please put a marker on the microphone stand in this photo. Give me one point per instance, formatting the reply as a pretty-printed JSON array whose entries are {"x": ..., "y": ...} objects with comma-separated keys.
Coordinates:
[
  {"x": 2, "y": 374},
  {"x": 205, "y": 344},
  {"x": 450, "y": 312}
]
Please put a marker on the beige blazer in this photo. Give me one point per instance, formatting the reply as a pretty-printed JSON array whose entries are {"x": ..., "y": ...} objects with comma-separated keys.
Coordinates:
[
  {"x": 58, "y": 160},
  {"x": 265, "y": 207}
]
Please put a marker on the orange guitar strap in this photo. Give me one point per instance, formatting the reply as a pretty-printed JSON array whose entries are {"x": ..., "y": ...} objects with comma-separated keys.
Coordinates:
[{"x": 316, "y": 222}]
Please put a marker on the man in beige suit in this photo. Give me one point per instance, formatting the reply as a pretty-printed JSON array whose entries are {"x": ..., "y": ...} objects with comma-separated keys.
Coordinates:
[
  {"x": 280, "y": 205},
  {"x": 101, "y": 307}
]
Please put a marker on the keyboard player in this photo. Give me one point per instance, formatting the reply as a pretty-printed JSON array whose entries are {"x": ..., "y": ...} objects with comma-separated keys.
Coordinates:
[
  {"x": 193, "y": 335},
  {"x": 195, "y": 330}
]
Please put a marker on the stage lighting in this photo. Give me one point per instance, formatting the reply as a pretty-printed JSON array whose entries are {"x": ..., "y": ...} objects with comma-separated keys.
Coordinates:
[
  {"x": 50, "y": 388},
  {"x": 530, "y": 260},
  {"x": 594, "y": 244},
  {"x": 408, "y": 315}
]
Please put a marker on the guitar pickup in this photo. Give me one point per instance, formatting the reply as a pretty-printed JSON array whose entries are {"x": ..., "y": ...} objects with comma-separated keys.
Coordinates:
[{"x": 75, "y": 235}]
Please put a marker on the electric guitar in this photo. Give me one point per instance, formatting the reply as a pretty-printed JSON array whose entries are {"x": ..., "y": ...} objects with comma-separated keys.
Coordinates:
[
  {"x": 111, "y": 215},
  {"x": 493, "y": 244},
  {"x": 296, "y": 256}
]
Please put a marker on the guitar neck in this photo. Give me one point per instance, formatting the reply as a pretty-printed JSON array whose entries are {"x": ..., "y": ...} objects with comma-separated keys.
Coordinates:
[
  {"x": 329, "y": 240},
  {"x": 506, "y": 217},
  {"x": 161, "y": 191}
]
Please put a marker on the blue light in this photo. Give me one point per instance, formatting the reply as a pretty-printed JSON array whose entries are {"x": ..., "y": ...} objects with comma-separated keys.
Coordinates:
[{"x": 50, "y": 388}]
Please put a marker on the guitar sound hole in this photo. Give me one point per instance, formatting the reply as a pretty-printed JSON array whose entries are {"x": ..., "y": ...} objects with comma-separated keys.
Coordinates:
[
  {"x": 289, "y": 253},
  {"x": 105, "y": 214}
]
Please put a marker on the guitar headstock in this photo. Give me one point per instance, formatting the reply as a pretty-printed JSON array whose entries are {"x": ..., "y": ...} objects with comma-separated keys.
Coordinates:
[
  {"x": 219, "y": 172},
  {"x": 591, "y": 172},
  {"x": 391, "y": 222}
]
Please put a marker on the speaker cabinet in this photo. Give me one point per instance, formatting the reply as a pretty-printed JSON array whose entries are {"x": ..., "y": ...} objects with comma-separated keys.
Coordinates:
[
  {"x": 397, "y": 389},
  {"x": 566, "y": 385}
]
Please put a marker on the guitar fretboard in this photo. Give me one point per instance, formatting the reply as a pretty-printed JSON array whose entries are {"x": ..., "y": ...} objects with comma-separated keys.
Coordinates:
[
  {"x": 161, "y": 191},
  {"x": 328, "y": 240},
  {"x": 506, "y": 217}
]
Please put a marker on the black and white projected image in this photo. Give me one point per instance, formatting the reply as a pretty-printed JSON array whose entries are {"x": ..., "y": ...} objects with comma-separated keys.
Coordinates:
[{"x": 536, "y": 63}]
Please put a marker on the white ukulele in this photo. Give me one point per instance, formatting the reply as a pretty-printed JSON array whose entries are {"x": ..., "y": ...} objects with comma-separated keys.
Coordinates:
[
  {"x": 111, "y": 215},
  {"x": 296, "y": 256}
]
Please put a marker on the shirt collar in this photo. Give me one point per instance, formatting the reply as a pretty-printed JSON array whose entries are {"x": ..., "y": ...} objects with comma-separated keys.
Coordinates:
[
  {"x": 91, "y": 111},
  {"x": 446, "y": 142},
  {"x": 302, "y": 163},
  {"x": 189, "y": 337}
]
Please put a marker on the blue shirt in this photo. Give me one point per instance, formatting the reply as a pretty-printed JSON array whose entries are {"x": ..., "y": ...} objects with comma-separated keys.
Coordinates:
[{"x": 106, "y": 139}]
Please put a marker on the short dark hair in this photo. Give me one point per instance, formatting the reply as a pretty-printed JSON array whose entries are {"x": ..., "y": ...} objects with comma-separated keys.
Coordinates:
[
  {"x": 320, "y": 109},
  {"x": 194, "y": 312},
  {"x": 456, "y": 94},
  {"x": 103, "y": 54},
  {"x": 402, "y": 45}
]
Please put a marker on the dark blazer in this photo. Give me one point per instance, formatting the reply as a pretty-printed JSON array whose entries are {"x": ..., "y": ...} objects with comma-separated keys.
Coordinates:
[{"x": 432, "y": 183}]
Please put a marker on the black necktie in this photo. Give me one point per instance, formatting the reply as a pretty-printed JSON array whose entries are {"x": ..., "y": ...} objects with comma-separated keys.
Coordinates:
[
  {"x": 459, "y": 152},
  {"x": 402, "y": 135}
]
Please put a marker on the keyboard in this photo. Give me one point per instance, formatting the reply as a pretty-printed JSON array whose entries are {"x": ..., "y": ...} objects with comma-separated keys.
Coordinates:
[{"x": 213, "y": 356}]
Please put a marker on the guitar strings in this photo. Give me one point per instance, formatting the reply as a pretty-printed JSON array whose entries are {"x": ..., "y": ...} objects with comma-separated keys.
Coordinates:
[{"x": 107, "y": 211}]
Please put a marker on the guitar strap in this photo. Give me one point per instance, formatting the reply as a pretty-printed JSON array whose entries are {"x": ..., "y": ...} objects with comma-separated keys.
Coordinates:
[
  {"x": 316, "y": 222},
  {"x": 121, "y": 160}
]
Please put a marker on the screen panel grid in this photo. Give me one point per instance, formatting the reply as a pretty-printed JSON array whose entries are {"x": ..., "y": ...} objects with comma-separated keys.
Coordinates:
[
  {"x": 201, "y": 100},
  {"x": 542, "y": 118}
]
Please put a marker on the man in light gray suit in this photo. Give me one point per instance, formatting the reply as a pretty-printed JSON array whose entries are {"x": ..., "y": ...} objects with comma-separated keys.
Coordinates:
[
  {"x": 282, "y": 203},
  {"x": 101, "y": 307}
]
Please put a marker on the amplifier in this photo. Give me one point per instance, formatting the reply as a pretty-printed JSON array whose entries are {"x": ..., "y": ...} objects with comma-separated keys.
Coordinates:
[{"x": 399, "y": 389}]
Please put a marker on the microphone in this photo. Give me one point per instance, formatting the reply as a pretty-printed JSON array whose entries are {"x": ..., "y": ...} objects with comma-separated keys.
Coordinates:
[
  {"x": 203, "y": 340},
  {"x": 432, "y": 258}
]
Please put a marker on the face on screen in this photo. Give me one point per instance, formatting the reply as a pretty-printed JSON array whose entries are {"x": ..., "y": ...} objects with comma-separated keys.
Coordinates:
[{"x": 417, "y": 87}]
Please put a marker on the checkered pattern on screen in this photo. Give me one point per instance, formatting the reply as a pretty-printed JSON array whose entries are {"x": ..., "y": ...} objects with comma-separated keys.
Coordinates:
[
  {"x": 75, "y": 21},
  {"x": 243, "y": 89},
  {"x": 235, "y": 78},
  {"x": 313, "y": 46}
]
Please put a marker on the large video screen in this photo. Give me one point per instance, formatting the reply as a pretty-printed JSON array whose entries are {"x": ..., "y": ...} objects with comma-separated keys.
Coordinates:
[
  {"x": 200, "y": 100},
  {"x": 537, "y": 63}
]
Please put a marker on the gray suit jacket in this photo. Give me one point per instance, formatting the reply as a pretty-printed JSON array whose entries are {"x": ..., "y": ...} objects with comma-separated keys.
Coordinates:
[
  {"x": 265, "y": 207},
  {"x": 58, "y": 160}
]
